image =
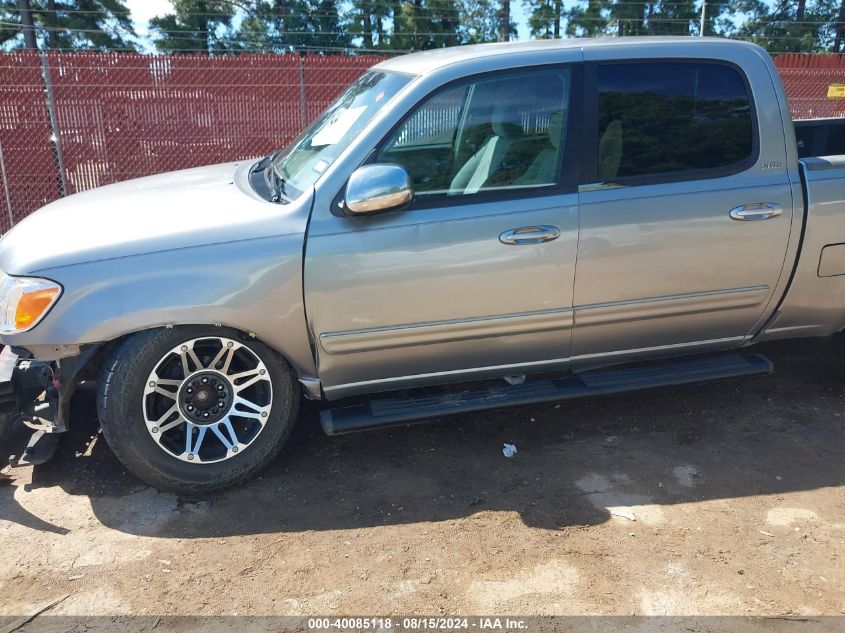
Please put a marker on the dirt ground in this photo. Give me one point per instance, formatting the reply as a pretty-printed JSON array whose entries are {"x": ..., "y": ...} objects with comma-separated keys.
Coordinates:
[{"x": 735, "y": 490}]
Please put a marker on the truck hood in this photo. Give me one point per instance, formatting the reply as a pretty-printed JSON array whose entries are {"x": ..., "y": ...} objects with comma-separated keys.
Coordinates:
[{"x": 193, "y": 207}]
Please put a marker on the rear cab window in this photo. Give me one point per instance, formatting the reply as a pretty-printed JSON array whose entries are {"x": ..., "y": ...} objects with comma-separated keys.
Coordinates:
[{"x": 663, "y": 121}]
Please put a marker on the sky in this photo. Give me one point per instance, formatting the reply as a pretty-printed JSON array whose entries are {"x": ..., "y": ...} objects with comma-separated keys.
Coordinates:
[{"x": 143, "y": 10}]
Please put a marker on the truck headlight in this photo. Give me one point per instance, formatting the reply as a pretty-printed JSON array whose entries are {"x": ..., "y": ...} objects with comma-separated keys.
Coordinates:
[{"x": 24, "y": 301}]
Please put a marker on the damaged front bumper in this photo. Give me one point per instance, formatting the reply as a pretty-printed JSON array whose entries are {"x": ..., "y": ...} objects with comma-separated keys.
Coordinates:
[{"x": 38, "y": 393}]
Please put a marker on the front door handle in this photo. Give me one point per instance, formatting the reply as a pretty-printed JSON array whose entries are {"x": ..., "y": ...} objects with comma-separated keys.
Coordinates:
[
  {"x": 756, "y": 211},
  {"x": 530, "y": 235}
]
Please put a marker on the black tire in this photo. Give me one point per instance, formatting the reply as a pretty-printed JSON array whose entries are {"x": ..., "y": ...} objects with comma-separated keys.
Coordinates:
[{"x": 120, "y": 408}]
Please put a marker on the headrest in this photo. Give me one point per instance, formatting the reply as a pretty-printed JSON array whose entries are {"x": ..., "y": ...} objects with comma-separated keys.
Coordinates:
[
  {"x": 506, "y": 120},
  {"x": 556, "y": 128}
]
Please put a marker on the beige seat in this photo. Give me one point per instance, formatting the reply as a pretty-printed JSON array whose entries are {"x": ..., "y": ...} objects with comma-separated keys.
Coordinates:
[
  {"x": 543, "y": 170},
  {"x": 610, "y": 151},
  {"x": 482, "y": 165}
]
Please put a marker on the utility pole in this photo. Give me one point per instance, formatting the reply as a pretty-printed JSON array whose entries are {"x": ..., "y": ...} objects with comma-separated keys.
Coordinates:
[
  {"x": 703, "y": 18},
  {"x": 506, "y": 20},
  {"x": 27, "y": 26}
]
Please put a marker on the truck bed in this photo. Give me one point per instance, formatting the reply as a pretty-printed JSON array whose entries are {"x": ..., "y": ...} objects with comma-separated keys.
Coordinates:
[
  {"x": 812, "y": 305},
  {"x": 820, "y": 137}
]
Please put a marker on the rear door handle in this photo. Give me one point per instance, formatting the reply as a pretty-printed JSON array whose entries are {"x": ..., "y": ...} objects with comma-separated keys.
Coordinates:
[
  {"x": 756, "y": 211},
  {"x": 530, "y": 235}
]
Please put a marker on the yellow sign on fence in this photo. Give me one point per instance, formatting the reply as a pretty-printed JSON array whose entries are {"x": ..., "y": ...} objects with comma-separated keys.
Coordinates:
[{"x": 836, "y": 91}]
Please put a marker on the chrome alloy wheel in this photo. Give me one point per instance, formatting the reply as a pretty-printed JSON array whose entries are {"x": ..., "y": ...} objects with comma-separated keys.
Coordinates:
[{"x": 207, "y": 399}]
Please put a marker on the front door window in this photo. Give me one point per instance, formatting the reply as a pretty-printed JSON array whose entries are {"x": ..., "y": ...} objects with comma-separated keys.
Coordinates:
[{"x": 489, "y": 133}]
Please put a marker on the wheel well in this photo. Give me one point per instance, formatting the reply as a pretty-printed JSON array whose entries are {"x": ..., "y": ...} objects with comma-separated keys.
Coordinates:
[
  {"x": 95, "y": 356},
  {"x": 91, "y": 369},
  {"x": 94, "y": 364}
]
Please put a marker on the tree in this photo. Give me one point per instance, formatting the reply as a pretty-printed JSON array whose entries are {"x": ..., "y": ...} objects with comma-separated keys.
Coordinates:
[
  {"x": 720, "y": 17},
  {"x": 674, "y": 17},
  {"x": 588, "y": 19},
  {"x": 800, "y": 26},
  {"x": 324, "y": 27},
  {"x": 195, "y": 26},
  {"x": 27, "y": 25},
  {"x": 443, "y": 24},
  {"x": 281, "y": 25},
  {"x": 481, "y": 21},
  {"x": 627, "y": 18},
  {"x": 83, "y": 24},
  {"x": 424, "y": 24},
  {"x": 367, "y": 22},
  {"x": 544, "y": 18}
]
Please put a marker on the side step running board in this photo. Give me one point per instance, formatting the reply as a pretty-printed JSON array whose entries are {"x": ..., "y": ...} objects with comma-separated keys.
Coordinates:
[{"x": 396, "y": 410}]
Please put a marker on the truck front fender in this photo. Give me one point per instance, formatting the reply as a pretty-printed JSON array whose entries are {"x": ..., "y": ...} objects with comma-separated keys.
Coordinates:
[{"x": 251, "y": 285}]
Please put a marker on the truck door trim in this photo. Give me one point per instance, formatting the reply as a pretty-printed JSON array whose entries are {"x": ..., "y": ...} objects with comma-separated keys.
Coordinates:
[
  {"x": 576, "y": 363},
  {"x": 370, "y": 340},
  {"x": 671, "y": 306},
  {"x": 373, "y": 339}
]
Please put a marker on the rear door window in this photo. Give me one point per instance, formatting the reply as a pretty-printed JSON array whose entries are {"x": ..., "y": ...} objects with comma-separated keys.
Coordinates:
[{"x": 673, "y": 120}]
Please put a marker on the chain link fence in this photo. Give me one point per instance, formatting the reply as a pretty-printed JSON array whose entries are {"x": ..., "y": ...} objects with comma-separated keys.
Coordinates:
[
  {"x": 808, "y": 79},
  {"x": 74, "y": 121},
  {"x": 27, "y": 155}
]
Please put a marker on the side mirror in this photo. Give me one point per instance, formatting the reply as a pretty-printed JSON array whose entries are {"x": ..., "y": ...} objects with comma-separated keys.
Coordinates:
[{"x": 381, "y": 187}]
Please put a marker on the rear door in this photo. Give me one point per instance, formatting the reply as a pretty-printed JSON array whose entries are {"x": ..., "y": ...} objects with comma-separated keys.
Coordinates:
[{"x": 686, "y": 211}]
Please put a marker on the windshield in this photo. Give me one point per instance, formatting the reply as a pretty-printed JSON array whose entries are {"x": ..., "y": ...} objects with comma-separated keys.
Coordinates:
[{"x": 310, "y": 155}]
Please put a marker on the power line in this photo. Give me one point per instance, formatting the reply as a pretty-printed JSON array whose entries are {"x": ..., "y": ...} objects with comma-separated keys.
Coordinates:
[
  {"x": 274, "y": 39},
  {"x": 607, "y": 20},
  {"x": 186, "y": 30},
  {"x": 378, "y": 4},
  {"x": 171, "y": 34},
  {"x": 261, "y": 12}
]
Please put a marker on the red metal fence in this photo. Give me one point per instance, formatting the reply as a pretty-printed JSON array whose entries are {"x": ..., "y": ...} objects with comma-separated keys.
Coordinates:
[
  {"x": 119, "y": 116},
  {"x": 27, "y": 169},
  {"x": 807, "y": 79}
]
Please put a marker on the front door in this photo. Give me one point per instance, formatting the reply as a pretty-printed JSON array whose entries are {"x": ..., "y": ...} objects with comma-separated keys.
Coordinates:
[
  {"x": 476, "y": 277},
  {"x": 685, "y": 231}
]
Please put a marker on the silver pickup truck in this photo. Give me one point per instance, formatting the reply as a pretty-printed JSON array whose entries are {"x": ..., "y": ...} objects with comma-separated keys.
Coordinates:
[{"x": 538, "y": 221}]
